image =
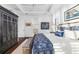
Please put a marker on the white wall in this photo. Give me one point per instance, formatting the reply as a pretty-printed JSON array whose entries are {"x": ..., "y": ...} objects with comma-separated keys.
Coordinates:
[
  {"x": 20, "y": 26},
  {"x": 44, "y": 18},
  {"x": 25, "y": 31},
  {"x": 59, "y": 15}
]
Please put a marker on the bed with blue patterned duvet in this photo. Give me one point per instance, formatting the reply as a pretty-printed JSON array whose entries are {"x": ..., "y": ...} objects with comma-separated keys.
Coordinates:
[{"x": 42, "y": 45}]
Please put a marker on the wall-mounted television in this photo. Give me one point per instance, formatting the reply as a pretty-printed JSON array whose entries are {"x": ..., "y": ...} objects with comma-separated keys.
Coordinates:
[{"x": 44, "y": 25}]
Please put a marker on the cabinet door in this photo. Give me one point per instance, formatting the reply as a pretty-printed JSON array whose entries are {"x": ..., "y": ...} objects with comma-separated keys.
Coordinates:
[
  {"x": 13, "y": 31},
  {"x": 16, "y": 30},
  {"x": 4, "y": 31},
  {"x": 4, "y": 28},
  {"x": 9, "y": 28},
  {"x": 0, "y": 29},
  {"x": 15, "y": 34},
  {"x": 15, "y": 25},
  {"x": 9, "y": 35},
  {"x": 8, "y": 31},
  {"x": 4, "y": 45}
]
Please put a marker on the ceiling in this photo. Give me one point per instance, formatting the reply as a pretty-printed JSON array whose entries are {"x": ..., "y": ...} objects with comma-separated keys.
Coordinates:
[{"x": 30, "y": 8}]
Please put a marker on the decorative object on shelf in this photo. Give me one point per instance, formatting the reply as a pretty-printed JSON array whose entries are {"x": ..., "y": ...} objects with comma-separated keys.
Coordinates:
[
  {"x": 72, "y": 13},
  {"x": 44, "y": 25}
]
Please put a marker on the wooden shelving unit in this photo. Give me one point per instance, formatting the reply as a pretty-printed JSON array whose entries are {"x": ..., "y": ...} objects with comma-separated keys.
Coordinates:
[{"x": 8, "y": 29}]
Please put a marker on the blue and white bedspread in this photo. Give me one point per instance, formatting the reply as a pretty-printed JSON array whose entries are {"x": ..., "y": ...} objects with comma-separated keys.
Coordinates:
[{"x": 42, "y": 45}]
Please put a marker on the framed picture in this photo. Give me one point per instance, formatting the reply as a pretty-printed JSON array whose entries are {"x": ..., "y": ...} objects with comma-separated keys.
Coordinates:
[
  {"x": 44, "y": 25},
  {"x": 28, "y": 24},
  {"x": 72, "y": 13}
]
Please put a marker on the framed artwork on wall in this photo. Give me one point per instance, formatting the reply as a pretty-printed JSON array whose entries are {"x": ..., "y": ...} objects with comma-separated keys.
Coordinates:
[
  {"x": 28, "y": 24},
  {"x": 44, "y": 25},
  {"x": 72, "y": 13}
]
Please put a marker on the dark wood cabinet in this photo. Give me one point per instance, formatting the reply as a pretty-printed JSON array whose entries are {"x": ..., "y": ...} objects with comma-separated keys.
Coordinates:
[
  {"x": 0, "y": 30},
  {"x": 8, "y": 29}
]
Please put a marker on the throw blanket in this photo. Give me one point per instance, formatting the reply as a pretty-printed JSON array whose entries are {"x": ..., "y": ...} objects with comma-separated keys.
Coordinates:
[{"x": 42, "y": 45}]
